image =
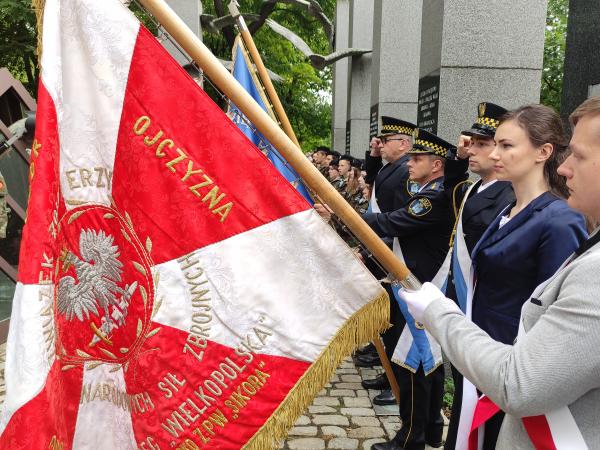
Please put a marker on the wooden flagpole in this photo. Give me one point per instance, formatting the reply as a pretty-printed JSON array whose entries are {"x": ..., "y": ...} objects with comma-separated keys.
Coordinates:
[
  {"x": 286, "y": 147},
  {"x": 271, "y": 93},
  {"x": 263, "y": 75}
]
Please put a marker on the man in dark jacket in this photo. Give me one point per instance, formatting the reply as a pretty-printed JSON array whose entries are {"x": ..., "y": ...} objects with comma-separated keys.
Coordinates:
[
  {"x": 422, "y": 228},
  {"x": 387, "y": 173},
  {"x": 475, "y": 207}
]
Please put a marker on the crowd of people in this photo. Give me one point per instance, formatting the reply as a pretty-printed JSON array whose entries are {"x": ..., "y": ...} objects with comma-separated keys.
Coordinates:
[{"x": 497, "y": 228}]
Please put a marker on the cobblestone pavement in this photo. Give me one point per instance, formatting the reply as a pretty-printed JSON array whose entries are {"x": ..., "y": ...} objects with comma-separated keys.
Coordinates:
[{"x": 341, "y": 416}]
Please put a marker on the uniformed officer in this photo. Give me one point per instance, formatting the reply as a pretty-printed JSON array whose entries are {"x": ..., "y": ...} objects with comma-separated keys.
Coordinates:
[
  {"x": 390, "y": 190},
  {"x": 422, "y": 227},
  {"x": 475, "y": 207},
  {"x": 391, "y": 182}
]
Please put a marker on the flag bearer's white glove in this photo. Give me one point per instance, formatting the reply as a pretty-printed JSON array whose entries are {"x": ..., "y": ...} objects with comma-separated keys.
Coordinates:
[{"x": 418, "y": 301}]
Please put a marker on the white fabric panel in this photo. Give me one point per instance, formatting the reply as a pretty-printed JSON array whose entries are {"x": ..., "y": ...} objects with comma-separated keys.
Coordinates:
[
  {"x": 27, "y": 362},
  {"x": 102, "y": 403},
  {"x": 85, "y": 66},
  {"x": 293, "y": 277}
]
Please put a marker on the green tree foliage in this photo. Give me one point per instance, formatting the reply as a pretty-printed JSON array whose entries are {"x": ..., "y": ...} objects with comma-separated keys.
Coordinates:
[
  {"x": 304, "y": 92},
  {"x": 554, "y": 53},
  {"x": 18, "y": 41}
]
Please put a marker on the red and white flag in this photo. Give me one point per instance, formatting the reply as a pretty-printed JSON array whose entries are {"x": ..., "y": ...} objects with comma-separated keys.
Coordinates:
[{"x": 175, "y": 291}]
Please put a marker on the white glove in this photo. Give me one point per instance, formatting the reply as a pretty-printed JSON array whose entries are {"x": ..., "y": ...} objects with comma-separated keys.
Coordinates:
[{"x": 418, "y": 301}]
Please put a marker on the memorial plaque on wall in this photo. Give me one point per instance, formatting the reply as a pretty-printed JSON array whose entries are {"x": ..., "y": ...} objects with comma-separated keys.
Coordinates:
[
  {"x": 374, "y": 121},
  {"x": 427, "y": 114},
  {"x": 348, "y": 137}
]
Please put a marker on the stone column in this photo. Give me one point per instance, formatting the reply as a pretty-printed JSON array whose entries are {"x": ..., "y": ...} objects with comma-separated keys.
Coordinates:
[
  {"x": 582, "y": 65},
  {"x": 491, "y": 51},
  {"x": 340, "y": 77},
  {"x": 359, "y": 85},
  {"x": 189, "y": 11},
  {"x": 395, "y": 60}
]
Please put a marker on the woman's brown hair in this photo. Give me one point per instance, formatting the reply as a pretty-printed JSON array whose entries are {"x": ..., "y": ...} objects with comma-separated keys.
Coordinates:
[{"x": 544, "y": 126}]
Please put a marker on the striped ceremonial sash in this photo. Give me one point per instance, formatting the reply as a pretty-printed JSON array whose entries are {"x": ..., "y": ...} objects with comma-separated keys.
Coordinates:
[
  {"x": 556, "y": 430},
  {"x": 415, "y": 346}
]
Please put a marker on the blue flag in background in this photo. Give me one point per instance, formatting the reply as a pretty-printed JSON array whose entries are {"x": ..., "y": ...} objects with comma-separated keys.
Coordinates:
[{"x": 242, "y": 73}]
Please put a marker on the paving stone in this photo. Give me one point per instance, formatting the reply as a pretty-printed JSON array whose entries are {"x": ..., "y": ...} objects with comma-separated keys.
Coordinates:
[
  {"x": 362, "y": 393},
  {"x": 358, "y": 411},
  {"x": 343, "y": 443},
  {"x": 334, "y": 378},
  {"x": 344, "y": 385},
  {"x": 307, "y": 444},
  {"x": 365, "y": 421},
  {"x": 342, "y": 393},
  {"x": 357, "y": 402},
  {"x": 366, "y": 432},
  {"x": 316, "y": 409},
  {"x": 302, "y": 420},
  {"x": 347, "y": 365},
  {"x": 390, "y": 419},
  {"x": 326, "y": 401},
  {"x": 369, "y": 373},
  {"x": 347, "y": 371},
  {"x": 369, "y": 442},
  {"x": 331, "y": 419},
  {"x": 322, "y": 393},
  {"x": 391, "y": 428},
  {"x": 351, "y": 378},
  {"x": 304, "y": 431},
  {"x": 333, "y": 431}
]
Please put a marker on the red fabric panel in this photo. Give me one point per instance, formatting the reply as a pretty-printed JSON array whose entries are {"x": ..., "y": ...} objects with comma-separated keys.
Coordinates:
[
  {"x": 539, "y": 432},
  {"x": 158, "y": 199},
  {"x": 484, "y": 411},
  {"x": 163, "y": 356},
  {"x": 50, "y": 417},
  {"x": 44, "y": 195}
]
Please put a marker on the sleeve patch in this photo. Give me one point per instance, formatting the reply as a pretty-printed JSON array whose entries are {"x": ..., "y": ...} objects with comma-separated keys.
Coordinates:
[{"x": 420, "y": 207}]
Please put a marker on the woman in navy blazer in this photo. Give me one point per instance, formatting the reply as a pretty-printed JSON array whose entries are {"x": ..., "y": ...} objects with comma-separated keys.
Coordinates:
[{"x": 533, "y": 236}]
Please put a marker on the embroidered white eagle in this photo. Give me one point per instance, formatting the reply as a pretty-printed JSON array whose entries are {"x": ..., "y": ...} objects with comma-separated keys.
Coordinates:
[{"x": 98, "y": 277}]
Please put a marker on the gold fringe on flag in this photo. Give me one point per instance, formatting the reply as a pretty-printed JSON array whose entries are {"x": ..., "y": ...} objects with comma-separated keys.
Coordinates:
[
  {"x": 364, "y": 326},
  {"x": 38, "y": 7}
]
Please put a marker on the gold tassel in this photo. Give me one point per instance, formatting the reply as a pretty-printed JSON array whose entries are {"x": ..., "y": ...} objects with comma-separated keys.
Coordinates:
[
  {"x": 38, "y": 6},
  {"x": 364, "y": 326}
]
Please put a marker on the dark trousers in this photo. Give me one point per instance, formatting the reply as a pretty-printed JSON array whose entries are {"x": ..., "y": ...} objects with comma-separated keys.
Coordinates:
[
  {"x": 492, "y": 426},
  {"x": 420, "y": 406},
  {"x": 420, "y": 396}
]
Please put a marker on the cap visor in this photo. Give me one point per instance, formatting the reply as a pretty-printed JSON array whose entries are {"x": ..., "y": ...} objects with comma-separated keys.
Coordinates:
[{"x": 477, "y": 132}]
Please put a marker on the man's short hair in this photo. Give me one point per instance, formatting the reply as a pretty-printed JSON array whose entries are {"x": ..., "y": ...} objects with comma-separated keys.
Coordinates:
[
  {"x": 439, "y": 158},
  {"x": 591, "y": 107}
]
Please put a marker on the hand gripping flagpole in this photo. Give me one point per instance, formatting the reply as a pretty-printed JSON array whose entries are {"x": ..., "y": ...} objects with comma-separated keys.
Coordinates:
[
  {"x": 262, "y": 72},
  {"x": 221, "y": 77}
]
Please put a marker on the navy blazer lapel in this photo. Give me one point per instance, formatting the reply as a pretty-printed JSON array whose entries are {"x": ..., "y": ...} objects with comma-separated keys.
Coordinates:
[
  {"x": 483, "y": 199},
  {"x": 493, "y": 234}
]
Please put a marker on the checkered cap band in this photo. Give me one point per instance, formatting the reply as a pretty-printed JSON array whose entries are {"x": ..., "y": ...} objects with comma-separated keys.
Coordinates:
[
  {"x": 430, "y": 147},
  {"x": 398, "y": 129},
  {"x": 488, "y": 122}
]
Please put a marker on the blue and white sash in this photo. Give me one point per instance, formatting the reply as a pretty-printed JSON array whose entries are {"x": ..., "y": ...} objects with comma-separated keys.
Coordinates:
[
  {"x": 461, "y": 263},
  {"x": 415, "y": 346}
]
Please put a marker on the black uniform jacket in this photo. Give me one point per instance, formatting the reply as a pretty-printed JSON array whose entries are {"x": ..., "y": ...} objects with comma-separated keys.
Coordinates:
[
  {"x": 391, "y": 182},
  {"x": 480, "y": 208},
  {"x": 422, "y": 225}
]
